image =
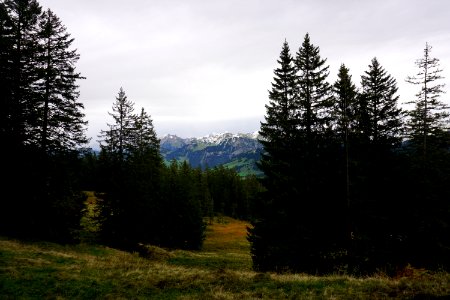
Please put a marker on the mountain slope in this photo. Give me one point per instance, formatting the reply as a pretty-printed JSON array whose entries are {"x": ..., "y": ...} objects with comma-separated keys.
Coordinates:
[{"x": 239, "y": 151}]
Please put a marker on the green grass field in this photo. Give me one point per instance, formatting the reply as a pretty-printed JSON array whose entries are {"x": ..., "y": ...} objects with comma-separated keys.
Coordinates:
[{"x": 222, "y": 270}]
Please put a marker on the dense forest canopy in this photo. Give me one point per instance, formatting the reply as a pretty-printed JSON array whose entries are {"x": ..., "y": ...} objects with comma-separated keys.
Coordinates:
[{"x": 351, "y": 182}]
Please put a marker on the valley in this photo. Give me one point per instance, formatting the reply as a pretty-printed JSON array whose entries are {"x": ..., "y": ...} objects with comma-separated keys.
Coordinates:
[{"x": 236, "y": 151}]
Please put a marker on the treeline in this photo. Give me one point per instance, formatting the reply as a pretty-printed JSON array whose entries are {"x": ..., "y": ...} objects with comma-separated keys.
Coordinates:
[
  {"x": 47, "y": 166},
  {"x": 353, "y": 182},
  {"x": 145, "y": 201}
]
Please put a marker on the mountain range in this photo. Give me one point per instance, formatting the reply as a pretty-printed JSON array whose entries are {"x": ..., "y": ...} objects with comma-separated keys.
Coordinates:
[{"x": 240, "y": 151}]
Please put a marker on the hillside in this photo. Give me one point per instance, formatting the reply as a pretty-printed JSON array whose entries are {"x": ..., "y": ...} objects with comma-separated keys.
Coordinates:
[
  {"x": 222, "y": 270},
  {"x": 238, "y": 151}
]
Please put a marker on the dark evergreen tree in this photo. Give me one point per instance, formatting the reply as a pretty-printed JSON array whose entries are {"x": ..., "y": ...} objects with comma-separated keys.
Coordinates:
[
  {"x": 115, "y": 145},
  {"x": 380, "y": 105},
  {"x": 58, "y": 131},
  {"x": 344, "y": 109},
  {"x": 23, "y": 68},
  {"x": 277, "y": 133},
  {"x": 317, "y": 207},
  {"x": 344, "y": 116},
  {"x": 60, "y": 125},
  {"x": 143, "y": 181},
  {"x": 144, "y": 140},
  {"x": 429, "y": 169},
  {"x": 9, "y": 151},
  {"x": 314, "y": 99},
  {"x": 279, "y": 129},
  {"x": 430, "y": 115},
  {"x": 116, "y": 141},
  {"x": 6, "y": 46},
  {"x": 378, "y": 198}
]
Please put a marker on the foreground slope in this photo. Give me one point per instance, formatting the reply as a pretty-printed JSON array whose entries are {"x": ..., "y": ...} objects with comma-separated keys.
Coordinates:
[{"x": 222, "y": 270}]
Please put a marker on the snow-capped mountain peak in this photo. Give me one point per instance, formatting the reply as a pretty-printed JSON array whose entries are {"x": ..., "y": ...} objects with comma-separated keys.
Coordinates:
[
  {"x": 240, "y": 150},
  {"x": 171, "y": 140}
]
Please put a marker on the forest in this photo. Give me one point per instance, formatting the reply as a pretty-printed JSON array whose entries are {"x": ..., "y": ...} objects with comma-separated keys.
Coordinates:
[{"x": 351, "y": 183}]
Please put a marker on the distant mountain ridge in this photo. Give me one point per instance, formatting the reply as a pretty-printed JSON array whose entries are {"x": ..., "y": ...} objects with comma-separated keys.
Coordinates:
[{"x": 240, "y": 151}]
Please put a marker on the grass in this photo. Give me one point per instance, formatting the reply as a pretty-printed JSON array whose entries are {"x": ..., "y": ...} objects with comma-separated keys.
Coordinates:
[
  {"x": 222, "y": 270},
  {"x": 244, "y": 167}
]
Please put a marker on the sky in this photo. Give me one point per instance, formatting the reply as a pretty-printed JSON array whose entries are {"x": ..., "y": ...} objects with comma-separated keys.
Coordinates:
[{"x": 205, "y": 66}]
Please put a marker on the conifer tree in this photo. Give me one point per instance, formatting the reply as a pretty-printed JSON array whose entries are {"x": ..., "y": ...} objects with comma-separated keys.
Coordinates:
[
  {"x": 313, "y": 90},
  {"x": 429, "y": 168},
  {"x": 278, "y": 133},
  {"x": 115, "y": 145},
  {"x": 317, "y": 204},
  {"x": 60, "y": 125},
  {"x": 279, "y": 129},
  {"x": 344, "y": 110},
  {"x": 314, "y": 137},
  {"x": 116, "y": 140},
  {"x": 379, "y": 103},
  {"x": 143, "y": 179},
  {"x": 430, "y": 115},
  {"x": 377, "y": 197},
  {"x": 22, "y": 68},
  {"x": 345, "y": 96},
  {"x": 144, "y": 140},
  {"x": 6, "y": 44}
]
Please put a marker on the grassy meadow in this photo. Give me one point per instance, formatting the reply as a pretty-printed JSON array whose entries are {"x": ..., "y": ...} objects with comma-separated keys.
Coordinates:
[{"x": 221, "y": 270}]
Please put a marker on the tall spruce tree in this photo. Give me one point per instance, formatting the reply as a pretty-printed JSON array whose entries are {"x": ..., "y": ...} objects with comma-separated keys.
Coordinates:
[
  {"x": 115, "y": 141},
  {"x": 60, "y": 125},
  {"x": 143, "y": 180},
  {"x": 115, "y": 145},
  {"x": 317, "y": 205},
  {"x": 429, "y": 168},
  {"x": 23, "y": 69},
  {"x": 277, "y": 133},
  {"x": 378, "y": 198},
  {"x": 6, "y": 44},
  {"x": 144, "y": 140},
  {"x": 279, "y": 129},
  {"x": 344, "y": 115},
  {"x": 344, "y": 110},
  {"x": 430, "y": 115},
  {"x": 313, "y": 112},
  {"x": 58, "y": 131},
  {"x": 313, "y": 90},
  {"x": 379, "y": 103}
]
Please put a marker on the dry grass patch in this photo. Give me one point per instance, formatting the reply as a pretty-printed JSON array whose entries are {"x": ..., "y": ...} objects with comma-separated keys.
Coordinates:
[{"x": 227, "y": 234}]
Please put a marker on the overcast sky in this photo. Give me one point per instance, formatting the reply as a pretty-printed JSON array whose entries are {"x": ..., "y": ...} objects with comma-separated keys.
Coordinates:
[{"x": 199, "y": 67}]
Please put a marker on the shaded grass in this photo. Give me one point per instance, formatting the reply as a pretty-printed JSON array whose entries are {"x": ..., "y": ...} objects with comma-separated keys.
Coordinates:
[{"x": 222, "y": 270}]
